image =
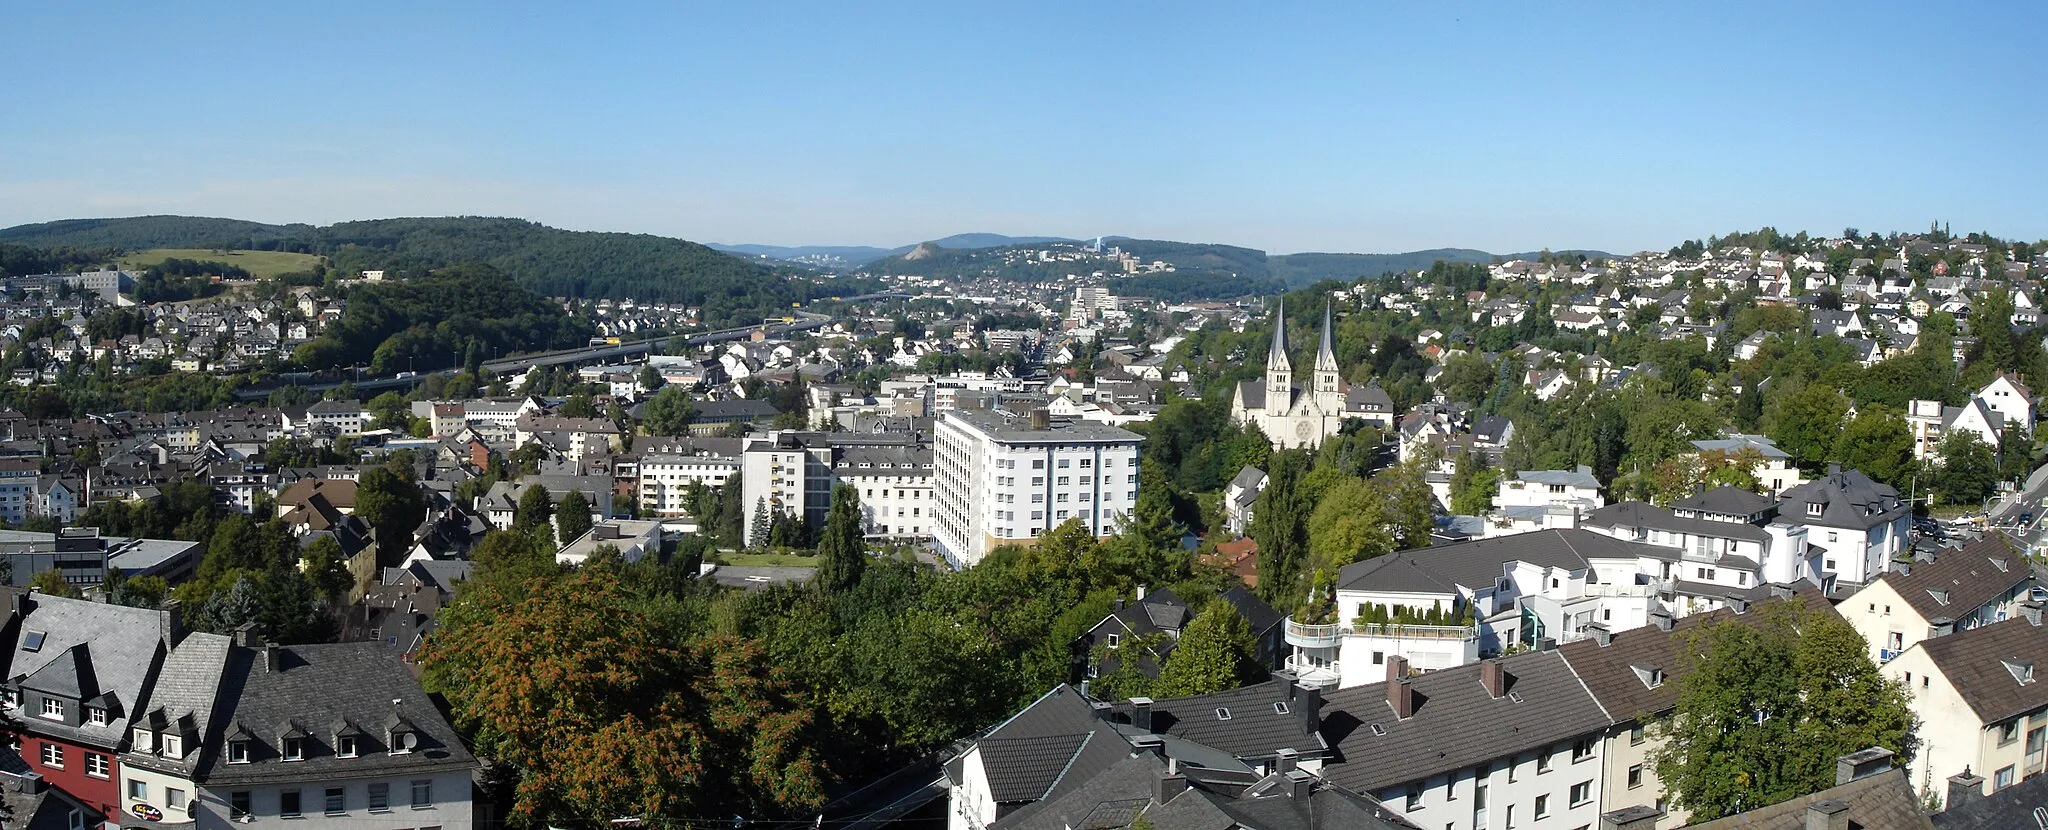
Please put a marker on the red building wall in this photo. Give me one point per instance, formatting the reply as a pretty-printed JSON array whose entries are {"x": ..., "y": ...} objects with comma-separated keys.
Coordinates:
[{"x": 102, "y": 794}]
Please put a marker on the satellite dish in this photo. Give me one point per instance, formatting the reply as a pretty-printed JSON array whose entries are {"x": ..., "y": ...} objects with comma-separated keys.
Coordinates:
[{"x": 408, "y": 741}]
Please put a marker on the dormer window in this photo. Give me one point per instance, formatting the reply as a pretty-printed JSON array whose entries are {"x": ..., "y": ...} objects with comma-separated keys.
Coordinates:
[
  {"x": 53, "y": 708},
  {"x": 403, "y": 741},
  {"x": 295, "y": 749},
  {"x": 174, "y": 746},
  {"x": 238, "y": 752},
  {"x": 345, "y": 746},
  {"x": 143, "y": 740},
  {"x": 95, "y": 716},
  {"x": 1814, "y": 508}
]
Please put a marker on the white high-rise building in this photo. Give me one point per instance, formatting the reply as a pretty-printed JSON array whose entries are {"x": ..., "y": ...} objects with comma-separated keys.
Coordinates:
[{"x": 1005, "y": 479}]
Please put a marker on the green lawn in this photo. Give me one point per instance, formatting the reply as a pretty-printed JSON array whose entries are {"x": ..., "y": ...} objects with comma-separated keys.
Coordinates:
[
  {"x": 260, "y": 263},
  {"x": 769, "y": 560}
]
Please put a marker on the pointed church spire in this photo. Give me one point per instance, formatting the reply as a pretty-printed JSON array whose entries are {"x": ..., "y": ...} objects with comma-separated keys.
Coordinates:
[
  {"x": 1279, "y": 370},
  {"x": 1326, "y": 356},
  {"x": 1276, "y": 357}
]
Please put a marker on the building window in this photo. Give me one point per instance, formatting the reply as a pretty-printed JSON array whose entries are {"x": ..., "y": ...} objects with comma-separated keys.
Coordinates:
[
  {"x": 337, "y": 799},
  {"x": 1414, "y": 800},
  {"x": 1543, "y": 762},
  {"x": 380, "y": 798},
  {"x": 53, "y": 708},
  {"x": 97, "y": 766},
  {"x": 294, "y": 749},
  {"x": 1582, "y": 751},
  {"x": 174, "y": 798},
  {"x": 1635, "y": 735},
  {"x": 96, "y": 716},
  {"x": 174, "y": 746},
  {"x": 2001, "y": 779},
  {"x": 422, "y": 794},
  {"x": 1582, "y": 792},
  {"x": 1542, "y": 807},
  {"x": 138, "y": 790},
  {"x": 1635, "y": 776},
  {"x": 288, "y": 804},
  {"x": 53, "y": 756},
  {"x": 345, "y": 746},
  {"x": 238, "y": 804},
  {"x": 2008, "y": 732},
  {"x": 238, "y": 752}
]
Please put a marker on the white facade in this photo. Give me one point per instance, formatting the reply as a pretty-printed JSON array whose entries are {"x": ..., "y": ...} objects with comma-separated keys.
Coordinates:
[
  {"x": 665, "y": 480},
  {"x": 443, "y": 800},
  {"x": 1554, "y": 788},
  {"x": 1007, "y": 480}
]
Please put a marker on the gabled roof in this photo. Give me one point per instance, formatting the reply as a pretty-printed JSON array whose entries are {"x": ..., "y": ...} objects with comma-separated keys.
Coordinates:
[
  {"x": 1884, "y": 801},
  {"x": 1982, "y": 665},
  {"x": 1253, "y": 728},
  {"x": 1644, "y": 514},
  {"x": 1959, "y": 581},
  {"x": 1619, "y": 674},
  {"x": 1477, "y": 563},
  {"x": 98, "y": 649},
  {"x": 1456, "y": 723},
  {"x": 1727, "y": 501},
  {"x": 2012, "y": 807}
]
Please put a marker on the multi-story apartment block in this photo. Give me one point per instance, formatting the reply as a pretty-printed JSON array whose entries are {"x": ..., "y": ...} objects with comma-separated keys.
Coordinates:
[
  {"x": 18, "y": 488},
  {"x": 1004, "y": 479},
  {"x": 665, "y": 479},
  {"x": 1943, "y": 591},
  {"x": 794, "y": 473},
  {"x": 1978, "y": 705}
]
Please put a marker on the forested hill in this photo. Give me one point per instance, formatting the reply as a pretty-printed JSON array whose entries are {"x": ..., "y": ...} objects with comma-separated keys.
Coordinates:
[{"x": 551, "y": 261}]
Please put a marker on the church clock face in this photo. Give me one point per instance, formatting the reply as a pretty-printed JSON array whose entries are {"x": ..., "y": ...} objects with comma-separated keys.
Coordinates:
[{"x": 1301, "y": 430}]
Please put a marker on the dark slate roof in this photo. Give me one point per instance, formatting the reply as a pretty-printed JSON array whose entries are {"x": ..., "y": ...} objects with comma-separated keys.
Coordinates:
[
  {"x": 323, "y": 689},
  {"x": 1727, "y": 500},
  {"x": 733, "y": 410},
  {"x": 1255, "y": 611},
  {"x": 1109, "y": 798},
  {"x": 1848, "y": 498},
  {"x": 90, "y": 649},
  {"x": 1025, "y": 769},
  {"x": 2009, "y": 808},
  {"x": 1976, "y": 664},
  {"x": 1610, "y": 671},
  {"x": 1456, "y": 723},
  {"x": 1477, "y": 563},
  {"x": 1167, "y": 610},
  {"x": 1254, "y": 729},
  {"x": 1879, "y": 802},
  {"x": 1958, "y": 582},
  {"x": 183, "y": 698},
  {"x": 1248, "y": 477},
  {"x": 1644, "y": 514}
]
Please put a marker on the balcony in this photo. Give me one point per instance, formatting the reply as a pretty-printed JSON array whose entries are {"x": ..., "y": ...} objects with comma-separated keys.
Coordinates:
[
  {"x": 1610, "y": 589},
  {"x": 1303, "y": 635},
  {"x": 1417, "y": 632},
  {"x": 1309, "y": 673}
]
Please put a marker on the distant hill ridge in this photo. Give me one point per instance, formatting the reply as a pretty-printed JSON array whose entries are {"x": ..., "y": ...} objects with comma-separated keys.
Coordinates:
[{"x": 551, "y": 261}]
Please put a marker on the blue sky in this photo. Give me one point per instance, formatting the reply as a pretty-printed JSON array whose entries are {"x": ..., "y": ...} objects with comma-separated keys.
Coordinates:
[{"x": 1364, "y": 126}]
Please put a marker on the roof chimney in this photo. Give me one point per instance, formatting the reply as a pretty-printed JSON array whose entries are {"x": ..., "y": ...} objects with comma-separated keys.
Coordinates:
[
  {"x": 1964, "y": 788},
  {"x": 1638, "y": 817},
  {"x": 1830, "y": 814},
  {"x": 1141, "y": 713},
  {"x": 1169, "y": 785},
  {"x": 1041, "y": 419},
  {"x": 1600, "y": 634},
  {"x": 1834, "y": 468},
  {"x": 1941, "y": 627},
  {"x": 2032, "y": 611},
  {"x": 1781, "y": 591},
  {"x": 1739, "y": 605},
  {"x": 1149, "y": 744},
  {"x": 1661, "y": 619},
  {"x": 1862, "y": 764},
  {"x": 1300, "y": 783},
  {"x": 173, "y": 624},
  {"x": 1285, "y": 760},
  {"x": 1397, "y": 667},
  {"x": 270, "y": 656},
  {"x": 1493, "y": 677},
  {"x": 1401, "y": 695}
]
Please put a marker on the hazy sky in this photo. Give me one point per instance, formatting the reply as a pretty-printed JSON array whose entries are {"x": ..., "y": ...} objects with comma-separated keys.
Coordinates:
[{"x": 1359, "y": 126}]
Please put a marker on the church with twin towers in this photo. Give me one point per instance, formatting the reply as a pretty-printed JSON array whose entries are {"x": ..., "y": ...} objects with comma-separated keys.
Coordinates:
[{"x": 1302, "y": 416}]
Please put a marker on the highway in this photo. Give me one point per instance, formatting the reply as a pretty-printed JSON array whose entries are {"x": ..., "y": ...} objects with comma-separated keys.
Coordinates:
[{"x": 519, "y": 364}]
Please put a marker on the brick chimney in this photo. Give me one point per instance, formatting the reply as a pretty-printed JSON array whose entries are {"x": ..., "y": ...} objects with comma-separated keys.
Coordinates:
[
  {"x": 1401, "y": 695},
  {"x": 1493, "y": 677},
  {"x": 173, "y": 623},
  {"x": 1397, "y": 667},
  {"x": 1168, "y": 786}
]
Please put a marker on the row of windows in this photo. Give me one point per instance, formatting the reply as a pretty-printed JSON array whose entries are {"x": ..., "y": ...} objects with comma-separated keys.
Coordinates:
[
  {"x": 97, "y": 764},
  {"x": 333, "y": 800}
]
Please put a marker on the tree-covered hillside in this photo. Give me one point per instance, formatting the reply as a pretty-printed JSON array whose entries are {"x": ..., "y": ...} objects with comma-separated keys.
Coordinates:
[{"x": 551, "y": 261}]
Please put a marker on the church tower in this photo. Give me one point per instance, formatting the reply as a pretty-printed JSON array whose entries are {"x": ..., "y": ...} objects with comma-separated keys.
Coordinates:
[
  {"x": 1328, "y": 385},
  {"x": 1279, "y": 371}
]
